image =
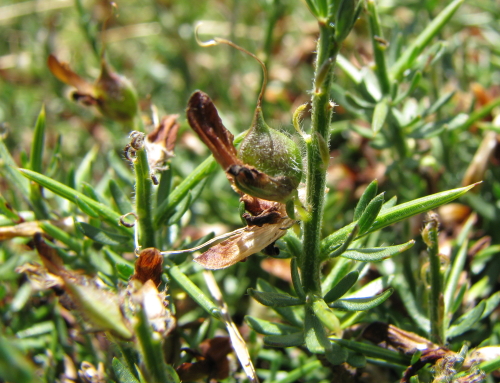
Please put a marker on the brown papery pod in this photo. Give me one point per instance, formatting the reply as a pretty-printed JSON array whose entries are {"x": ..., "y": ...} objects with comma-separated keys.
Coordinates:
[
  {"x": 204, "y": 119},
  {"x": 148, "y": 266},
  {"x": 246, "y": 241}
]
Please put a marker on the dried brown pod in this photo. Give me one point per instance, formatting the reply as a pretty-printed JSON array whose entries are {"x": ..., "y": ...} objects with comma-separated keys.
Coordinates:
[
  {"x": 148, "y": 266},
  {"x": 243, "y": 243},
  {"x": 262, "y": 231},
  {"x": 204, "y": 119},
  {"x": 160, "y": 143}
]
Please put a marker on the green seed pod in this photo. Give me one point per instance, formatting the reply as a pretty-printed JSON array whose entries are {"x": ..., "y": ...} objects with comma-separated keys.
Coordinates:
[
  {"x": 275, "y": 163},
  {"x": 115, "y": 95}
]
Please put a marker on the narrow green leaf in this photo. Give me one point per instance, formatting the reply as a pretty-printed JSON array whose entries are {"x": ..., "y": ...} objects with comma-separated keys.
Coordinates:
[
  {"x": 340, "y": 270},
  {"x": 180, "y": 210},
  {"x": 84, "y": 207},
  {"x": 83, "y": 172},
  {"x": 377, "y": 254},
  {"x": 412, "y": 306},
  {"x": 90, "y": 192},
  {"x": 451, "y": 282},
  {"x": 36, "y": 330},
  {"x": 296, "y": 375},
  {"x": 151, "y": 350},
  {"x": 316, "y": 339},
  {"x": 344, "y": 19},
  {"x": 293, "y": 243},
  {"x": 440, "y": 102},
  {"x": 121, "y": 200},
  {"x": 380, "y": 115},
  {"x": 370, "y": 214},
  {"x": 342, "y": 287},
  {"x": 491, "y": 304},
  {"x": 62, "y": 236},
  {"x": 457, "y": 303},
  {"x": 290, "y": 340},
  {"x": 103, "y": 236},
  {"x": 351, "y": 318},
  {"x": 361, "y": 304},
  {"x": 123, "y": 374},
  {"x": 126, "y": 267},
  {"x": 312, "y": 7},
  {"x": 377, "y": 285},
  {"x": 164, "y": 187},
  {"x": 373, "y": 351},
  {"x": 195, "y": 177},
  {"x": 54, "y": 166},
  {"x": 288, "y": 313},
  {"x": 273, "y": 299},
  {"x": 7, "y": 210},
  {"x": 477, "y": 115},
  {"x": 379, "y": 47},
  {"x": 413, "y": 85},
  {"x": 358, "y": 101},
  {"x": 422, "y": 41},
  {"x": 387, "y": 205},
  {"x": 420, "y": 205},
  {"x": 349, "y": 69},
  {"x": 466, "y": 321},
  {"x": 490, "y": 365},
  {"x": 369, "y": 194},
  {"x": 326, "y": 316},
  {"x": 194, "y": 291},
  {"x": 269, "y": 328},
  {"x": 11, "y": 171},
  {"x": 314, "y": 332},
  {"x": 297, "y": 284},
  {"x": 36, "y": 155},
  {"x": 72, "y": 195}
]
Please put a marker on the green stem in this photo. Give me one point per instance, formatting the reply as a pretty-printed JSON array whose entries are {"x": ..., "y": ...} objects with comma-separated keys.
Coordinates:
[
  {"x": 379, "y": 47},
  {"x": 316, "y": 166},
  {"x": 436, "y": 296},
  {"x": 86, "y": 25},
  {"x": 143, "y": 191},
  {"x": 151, "y": 350}
]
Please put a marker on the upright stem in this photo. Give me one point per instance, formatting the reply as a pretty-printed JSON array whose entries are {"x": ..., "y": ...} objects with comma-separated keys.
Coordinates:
[
  {"x": 436, "y": 294},
  {"x": 144, "y": 203},
  {"x": 316, "y": 146}
]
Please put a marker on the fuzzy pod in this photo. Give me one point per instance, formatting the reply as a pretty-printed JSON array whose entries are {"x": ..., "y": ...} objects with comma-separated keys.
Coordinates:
[{"x": 266, "y": 150}]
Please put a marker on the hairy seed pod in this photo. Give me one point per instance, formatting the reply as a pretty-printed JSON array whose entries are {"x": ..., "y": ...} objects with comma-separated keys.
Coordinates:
[{"x": 272, "y": 153}]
